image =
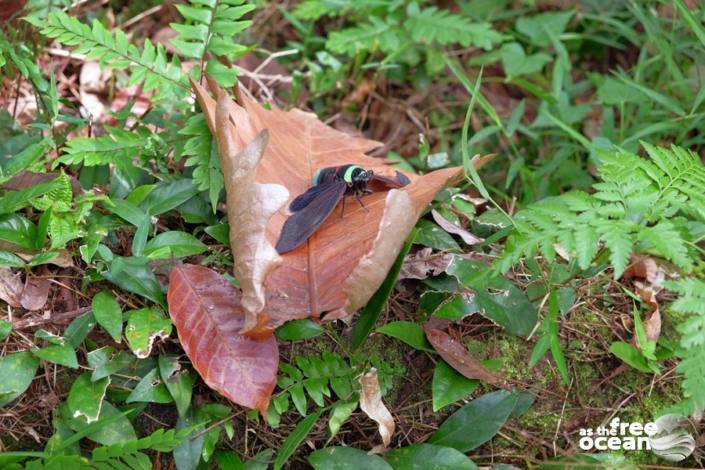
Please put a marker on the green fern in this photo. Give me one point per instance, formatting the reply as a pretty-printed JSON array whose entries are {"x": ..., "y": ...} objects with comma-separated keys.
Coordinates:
[
  {"x": 640, "y": 205},
  {"x": 692, "y": 343},
  {"x": 203, "y": 155},
  {"x": 315, "y": 9},
  {"x": 149, "y": 66},
  {"x": 394, "y": 30},
  {"x": 214, "y": 23}
]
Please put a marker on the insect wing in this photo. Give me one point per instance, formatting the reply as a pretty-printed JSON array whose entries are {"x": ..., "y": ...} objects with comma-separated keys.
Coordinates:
[
  {"x": 303, "y": 200},
  {"x": 301, "y": 224},
  {"x": 401, "y": 180}
]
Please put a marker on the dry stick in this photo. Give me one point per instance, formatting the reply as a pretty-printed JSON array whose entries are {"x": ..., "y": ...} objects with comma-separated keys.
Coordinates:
[{"x": 58, "y": 318}]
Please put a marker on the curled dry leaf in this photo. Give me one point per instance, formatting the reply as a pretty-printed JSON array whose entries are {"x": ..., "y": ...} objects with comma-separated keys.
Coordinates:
[
  {"x": 371, "y": 404},
  {"x": 36, "y": 292},
  {"x": 645, "y": 267},
  {"x": 208, "y": 316},
  {"x": 458, "y": 357},
  {"x": 425, "y": 262},
  {"x": 10, "y": 287},
  {"x": 339, "y": 268},
  {"x": 450, "y": 227}
]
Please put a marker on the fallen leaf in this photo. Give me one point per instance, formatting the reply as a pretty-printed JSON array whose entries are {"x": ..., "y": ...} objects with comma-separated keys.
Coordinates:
[
  {"x": 345, "y": 261},
  {"x": 450, "y": 227},
  {"x": 645, "y": 267},
  {"x": 10, "y": 287},
  {"x": 208, "y": 316},
  {"x": 458, "y": 357},
  {"x": 35, "y": 292},
  {"x": 424, "y": 263},
  {"x": 371, "y": 404}
]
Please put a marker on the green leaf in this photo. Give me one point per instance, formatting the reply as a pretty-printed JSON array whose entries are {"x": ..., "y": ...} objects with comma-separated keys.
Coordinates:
[
  {"x": 449, "y": 386},
  {"x": 143, "y": 327},
  {"x": 517, "y": 63},
  {"x": 228, "y": 460},
  {"x": 167, "y": 196},
  {"x": 366, "y": 320},
  {"x": 5, "y": 329},
  {"x": 540, "y": 28},
  {"x": 428, "y": 457},
  {"x": 174, "y": 244},
  {"x": 150, "y": 389},
  {"x": 187, "y": 455},
  {"x": 409, "y": 332},
  {"x": 295, "y": 438},
  {"x": 11, "y": 201},
  {"x": 133, "y": 275},
  {"x": 108, "y": 314},
  {"x": 556, "y": 350},
  {"x": 79, "y": 328},
  {"x": 105, "y": 361},
  {"x": 340, "y": 412},
  {"x": 178, "y": 381},
  {"x": 58, "y": 354},
  {"x": 631, "y": 356},
  {"x": 112, "y": 427},
  {"x": 18, "y": 231},
  {"x": 295, "y": 330},
  {"x": 85, "y": 398},
  {"x": 477, "y": 422},
  {"x": 346, "y": 458},
  {"x": 17, "y": 371},
  {"x": 431, "y": 235},
  {"x": 220, "y": 232}
]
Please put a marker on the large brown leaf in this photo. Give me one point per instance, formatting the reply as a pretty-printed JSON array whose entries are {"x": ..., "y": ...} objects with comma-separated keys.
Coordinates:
[
  {"x": 208, "y": 316},
  {"x": 345, "y": 261}
]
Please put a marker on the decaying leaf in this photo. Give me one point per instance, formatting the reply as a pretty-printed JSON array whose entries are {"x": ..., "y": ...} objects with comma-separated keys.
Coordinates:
[
  {"x": 645, "y": 267},
  {"x": 458, "y": 357},
  {"x": 424, "y": 263},
  {"x": 10, "y": 287},
  {"x": 371, "y": 404},
  {"x": 35, "y": 292},
  {"x": 450, "y": 227},
  {"x": 208, "y": 316},
  {"x": 339, "y": 268}
]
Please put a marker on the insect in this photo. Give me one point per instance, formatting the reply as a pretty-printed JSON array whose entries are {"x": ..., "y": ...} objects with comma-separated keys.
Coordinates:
[{"x": 330, "y": 185}]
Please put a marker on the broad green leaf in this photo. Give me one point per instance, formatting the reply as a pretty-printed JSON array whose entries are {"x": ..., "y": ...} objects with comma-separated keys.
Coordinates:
[
  {"x": 409, "y": 332},
  {"x": 143, "y": 327},
  {"x": 18, "y": 231},
  {"x": 133, "y": 275},
  {"x": 5, "y": 329},
  {"x": 431, "y": 235},
  {"x": 517, "y": 63},
  {"x": 167, "y": 196},
  {"x": 632, "y": 357},
  {"x": 220, "y": 232},
  {"x": 340, "y": 412},
  {"x": 17, "y": 371},
  {"x": 63, "y": 354},
  {"x": 428, "y": 457},
  {"x": 86, "y": 398},
  {"x": 117, "y": 428},
  {"x": 540, "y": 28},
  {"x": 346, "y": 458},
  {"x": 295, "y": 438},
  {"x": 174, "y": 244},
  {"x": 79, "y": 328},
  {"x": 295, "y": 330},
  {"x": 105, "y": 361},
  {"x": 228, "y": 460},
  {"x": 150, "y": 389},
  {"x": 449, "y": 386},
  {"x": 477, "y": 422},
  {"x": 178, "y": 381},
  {"x": 187, "y": 455},
  {"x": 14, "y": 200},
  {"x": 108, "y": 314},
  {"x": 369, "y": 315}
]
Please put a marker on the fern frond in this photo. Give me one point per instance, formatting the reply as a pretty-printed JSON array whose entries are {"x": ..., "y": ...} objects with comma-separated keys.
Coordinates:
[
  {"x": 117, "y": 146},
  {"x": 315, "y": 9},
  {"x": 150, "y": 66},
  {"x": 432, "y": 25},
  {"x": 128, "y": 456},
  {"x": 214, "y": 23},
  {"x": 691, "y": 301},
  {"x": 377, "y": 34},
  {"x": 203, "y": 154}
]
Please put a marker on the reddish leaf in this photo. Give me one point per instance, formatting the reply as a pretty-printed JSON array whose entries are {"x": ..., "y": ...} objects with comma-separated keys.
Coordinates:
[
  {"x": 458, "y": 357},
  {"x": 345, "y": 261},
  {"x": 208, "y": 316}
]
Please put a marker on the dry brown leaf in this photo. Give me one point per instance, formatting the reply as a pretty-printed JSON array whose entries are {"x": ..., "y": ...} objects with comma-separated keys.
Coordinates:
[
  {"x": 371, "y": 404},
  {"x": 450, "y": 227},
  {"x": 206, "y": 311},
  {"x": 458, "y": 357},
  {"x": 645, "y": 267},
  {"x": 343, "y": 263},
  {"x": 652, "y": 323},
  {"x": 10, "y": 287},
  {"x": 424, "y": 263},
  {"x": 35, "y": 292}
]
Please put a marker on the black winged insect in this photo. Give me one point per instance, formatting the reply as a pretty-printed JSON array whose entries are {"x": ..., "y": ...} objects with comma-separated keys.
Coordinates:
[{"x": 330, "y": 185}]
